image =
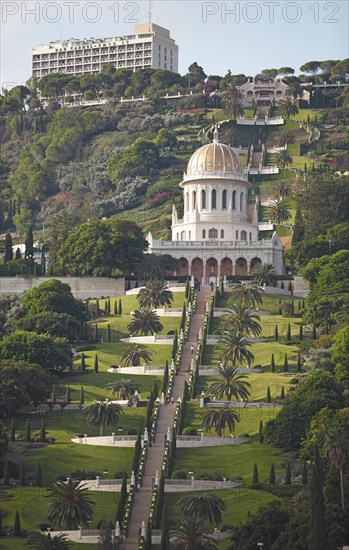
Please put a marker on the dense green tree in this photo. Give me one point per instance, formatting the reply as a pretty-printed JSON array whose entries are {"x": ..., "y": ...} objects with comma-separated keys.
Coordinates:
[
  {"x": 53, "y": 354},
  {"x": 55, "y": 297},
  {"x": 336, "y": 446},
  {"x": 230, "y": 384},
  {"x": 340, "y": 355},
  {"x": 317, "y": 507},
  {"x": 70, "y": 505},
  {"x": 136, "y": 160},
  {"x": 103, "y": 248},
  {"x": 195, "y": 73},
  {"x": 103, "y": 414}
]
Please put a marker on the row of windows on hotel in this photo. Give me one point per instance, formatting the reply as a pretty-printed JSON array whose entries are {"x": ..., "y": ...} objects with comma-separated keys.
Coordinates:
[
  {"x": 204, "y": 201},
  {"x": 213, "y": 234}
]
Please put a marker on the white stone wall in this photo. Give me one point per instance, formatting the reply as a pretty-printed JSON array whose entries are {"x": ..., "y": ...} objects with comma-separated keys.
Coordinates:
[{"x": 82, "y": 287}]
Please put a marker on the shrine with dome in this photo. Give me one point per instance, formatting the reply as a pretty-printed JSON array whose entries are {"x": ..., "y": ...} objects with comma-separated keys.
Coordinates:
[{"x": 218, "y": 235}]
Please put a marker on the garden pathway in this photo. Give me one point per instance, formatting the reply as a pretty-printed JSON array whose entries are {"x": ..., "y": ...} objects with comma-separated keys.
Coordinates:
[{"x": 142, "y": 502}]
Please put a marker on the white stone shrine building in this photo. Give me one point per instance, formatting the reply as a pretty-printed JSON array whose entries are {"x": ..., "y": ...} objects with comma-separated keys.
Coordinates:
[{"x": 218, "y": 235}]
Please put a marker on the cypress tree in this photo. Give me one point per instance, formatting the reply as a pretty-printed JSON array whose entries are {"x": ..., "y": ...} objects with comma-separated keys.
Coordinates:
[
  {"x": 290, "y": 288},
  {"x": 186, "y": 391},
  {"x": 282, "y": 395},
  {"x": 300, "y": 336},
  {"x": 17, "y": 525},
  {"x": 53, "y": 394},
  {"x": 285, "y": 363},
  {"x": 6, "y": 473},
  {"x": 155, "y": 390},
  {"x": 122, "y": 499},
  {"x": 97, "y": 307},
  {"x": 255, "y": 474},
  {"x": 43, "y": 262},
  {"x": 187, "y": 289},
  {"x": 82, "y": 396},
  {"x": 67, "y": 395},
  {"x": 137, "y": 454},
  {"x": 288, "y": 337},
  {"x": 288, "y": 477},
  {"x": 305, "y": 474},
  {"x": 95, "y": 367},
  {"x": 314, "y": 332},
  {"x": 83, "y": 363},
  {"x": 108, "y": 333},
  {"x": 260, "y": 432},
  {"x": 147, "y": 542},
  {"x": 292, "y": 307},
  {"x": 39, "y": 476},
  {"x": 12, "y": 430},
  {"x": 120, "y": 307},
  {"x": 272, "y": 363},
  {"x": 299, "y": 362},
  {"x": 165, "y": 532},
  {"x": 18, "y": 255},
  {"x": 43, "y": 431},
  {"x": 280, "y": 309},
  {"x": 282, "y": 285},
  {"x": 317, "y": 507},
  {"x": 115, "y": 307},
  {"x": 268, "y": 395},
  {"x": 108, "y": 306},
  {"x": 27, "y": 430},
  {"x": 165, "y": 379},
  {"x": 8, "y": 256},
  {"x": 96, "y": 333},
  {"x": 272, "y": 475},
  {"x": 21, "y": 478},
  {"x": 276, "y": 335},
  {"x": 159, "y": 502},
  {"x": 299, "y": 305}
]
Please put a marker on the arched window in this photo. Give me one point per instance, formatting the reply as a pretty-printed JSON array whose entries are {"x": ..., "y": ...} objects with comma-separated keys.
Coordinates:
[
  {"x": 204, "y": 233},
  {"x": 241, "y": 201},
  {"x": 234, "y": 200},
  {"x": 194, "y": 200},
  {"x": 250, "y": 236},
  {"x": 203, "y": 200},
  {"x": 237, "y": 235},
  {"x": 243, "y": 235},
  {"x": 187, "y": 201},
  {"x": 183, "y": 236},
  {"x": 224, "y": 200},
  {"x": 222, "y": 233},
  {"x": 214, "y": 199},
  {"x": 213, "y": 234}
]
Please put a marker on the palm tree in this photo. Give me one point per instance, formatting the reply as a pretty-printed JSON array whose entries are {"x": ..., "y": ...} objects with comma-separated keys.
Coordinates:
[
  {"x": 219, "y": 419},
  {"x": 70, "y": 505},
  {"x": 235, "y": 349},
  {"x": 123, "y": 388},
  {"x": 189, "y": 534},
  {"x": 285, "y": 138},
  {"x": 284, "y": 158},
  {"x": 135, "y": 353},
  {"x": 102, "y": 414},
  {"x": 242, "y": 319},
  {"x": 287, "y": 107},
  {"x": 232, "y": 102},
  {"x": 265, "y": 275},
  {"x": 40, "y": 541},
  {"x": 203, "y": 507},
  {"x": 250, "y": 294},
  {"x": 229, "y": 137},
  {"x": 295, "y": 90},
  {"x": 230, "y": 383},
  {"x": 150, "y": 268},
  {"x": 336, "y": 446},
  {"x": 146, "y": 321},
  {"x": 278, "y": 211},
  {"x": 155, "y": 294},
  {"x": 282, "y": 188}
]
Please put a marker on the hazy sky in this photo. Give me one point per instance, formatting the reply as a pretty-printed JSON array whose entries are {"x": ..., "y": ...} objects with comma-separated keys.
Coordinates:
[{"x": 243, "y": 36}]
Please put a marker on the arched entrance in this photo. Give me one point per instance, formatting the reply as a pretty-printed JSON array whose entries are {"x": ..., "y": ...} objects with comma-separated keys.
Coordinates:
[
  {"x": 255, "y": 262},
  {"x": 211, "y": 270},
  {"x": 241, "y": 267},
  {"x": 226, "y": 267},
  {"x": 197, "y": 269},
  {"x": 183, "y": 266}
]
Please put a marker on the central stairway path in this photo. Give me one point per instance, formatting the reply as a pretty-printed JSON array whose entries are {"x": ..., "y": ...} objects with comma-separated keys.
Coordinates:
[{"x": 142, "y": 502}]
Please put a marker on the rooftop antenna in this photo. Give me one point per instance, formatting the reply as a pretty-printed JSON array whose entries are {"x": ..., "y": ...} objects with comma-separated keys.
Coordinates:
[{"x": 150, "y": 12}]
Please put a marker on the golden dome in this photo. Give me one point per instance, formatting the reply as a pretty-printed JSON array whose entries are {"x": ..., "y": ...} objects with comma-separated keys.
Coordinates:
[{"x": 214, "y": 158}]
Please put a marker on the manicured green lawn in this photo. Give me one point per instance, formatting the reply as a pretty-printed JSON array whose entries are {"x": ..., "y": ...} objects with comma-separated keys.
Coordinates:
[
  {"x": 32, "y": 505},
  {"x": 232, "y": 461},
  {"x": 249, "y": 418}
]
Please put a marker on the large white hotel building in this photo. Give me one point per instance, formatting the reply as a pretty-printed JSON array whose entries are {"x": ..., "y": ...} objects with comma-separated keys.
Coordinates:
[{"x": 150, "y": 47}]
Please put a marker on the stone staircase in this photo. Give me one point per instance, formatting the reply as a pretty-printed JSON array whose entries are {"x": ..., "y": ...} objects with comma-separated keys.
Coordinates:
[{"x": 142, "y": 502}]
